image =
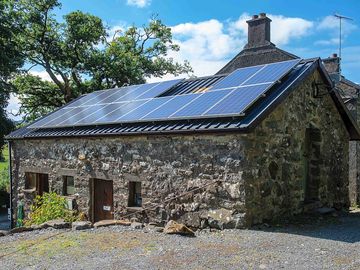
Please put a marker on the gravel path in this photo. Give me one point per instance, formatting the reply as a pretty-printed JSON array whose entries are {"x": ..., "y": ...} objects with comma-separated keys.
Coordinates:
[{"x": 329, "y": 244}]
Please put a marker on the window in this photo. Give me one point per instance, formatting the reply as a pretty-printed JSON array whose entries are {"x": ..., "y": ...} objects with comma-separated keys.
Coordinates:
[
  {"x": 135, "y": 199},
  {"x": 68, "y": 187},
  {"x": 37, "y": 181},
  {"x": 30, "y": 181}
]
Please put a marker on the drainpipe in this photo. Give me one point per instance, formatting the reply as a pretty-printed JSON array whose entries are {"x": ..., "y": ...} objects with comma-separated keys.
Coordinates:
[{"x": 11, "y": 186}]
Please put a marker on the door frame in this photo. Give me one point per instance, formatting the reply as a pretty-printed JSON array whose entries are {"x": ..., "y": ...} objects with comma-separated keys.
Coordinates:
[
  {"x": 92, "y": 196},
  {"x": 312, "y": 138}
]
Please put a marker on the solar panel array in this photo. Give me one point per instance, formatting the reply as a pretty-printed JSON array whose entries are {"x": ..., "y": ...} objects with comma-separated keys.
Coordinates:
[
  {"x": 228, "y": 97},
  {"x": 261, "y": 74}
]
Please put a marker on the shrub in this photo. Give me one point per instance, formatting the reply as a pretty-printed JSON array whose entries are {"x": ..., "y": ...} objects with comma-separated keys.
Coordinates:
[
  {"x": 4, "y": 179},
  {"x": 50, "y": 206}
]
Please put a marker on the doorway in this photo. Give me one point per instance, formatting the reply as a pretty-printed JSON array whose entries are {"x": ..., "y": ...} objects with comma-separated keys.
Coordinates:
[
  {"x": 312, "y": 155},
  {"x": 103, "y": 207}
]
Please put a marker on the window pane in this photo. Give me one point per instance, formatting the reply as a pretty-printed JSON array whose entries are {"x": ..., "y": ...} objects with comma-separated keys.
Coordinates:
[
  {"x": 135, "y": 198},
  {"x": 30, "y": 180},
  {"x": 69, "y": 188}
]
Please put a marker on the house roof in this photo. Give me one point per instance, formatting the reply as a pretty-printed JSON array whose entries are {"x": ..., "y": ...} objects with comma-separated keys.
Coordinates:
[
  {"x": 257, "y": 56},
  {"x": 245, "y": 122}
]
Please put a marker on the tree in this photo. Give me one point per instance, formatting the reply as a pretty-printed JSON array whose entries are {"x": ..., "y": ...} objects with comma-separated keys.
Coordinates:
[
  {"x": 80, "y": 56},
  {"x": 10, "y": 60}
]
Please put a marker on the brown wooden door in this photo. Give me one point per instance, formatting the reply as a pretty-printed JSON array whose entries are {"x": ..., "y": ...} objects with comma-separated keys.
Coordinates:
[{"x": 103, "y": 200}]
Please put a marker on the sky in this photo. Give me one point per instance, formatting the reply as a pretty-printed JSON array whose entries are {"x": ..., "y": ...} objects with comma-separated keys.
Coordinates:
[{"x": 211, "y": 32}]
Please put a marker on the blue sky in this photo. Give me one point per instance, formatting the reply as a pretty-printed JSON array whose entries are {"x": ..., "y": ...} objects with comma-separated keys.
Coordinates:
[{"x": 211, "y": 32}]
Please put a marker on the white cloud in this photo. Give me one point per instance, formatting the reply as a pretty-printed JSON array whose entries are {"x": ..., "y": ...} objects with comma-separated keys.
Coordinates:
[
  {"x": 13, "y": 107},
  {"x": 207, "y": 39},
  {"x": 327, "y": 42},
  {"x": 138, "y": 3},
  {"x": 209, "y": 45},
  {"x": 115, "y": 31},
  {"x": 283, "y": 29},
  {"x": 331, "y": 25}
]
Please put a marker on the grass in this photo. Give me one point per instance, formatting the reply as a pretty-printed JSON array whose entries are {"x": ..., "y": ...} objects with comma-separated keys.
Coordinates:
[
  {"x": 4, "y": 165},
  {"x": 4, "y": 174}
]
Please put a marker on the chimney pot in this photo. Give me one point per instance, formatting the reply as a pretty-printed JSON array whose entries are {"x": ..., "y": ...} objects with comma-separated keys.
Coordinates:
[
  {"x": 332, "y": 64},
  {"x": 258, "y": 31},
  {"x": 262, "y": 15}
]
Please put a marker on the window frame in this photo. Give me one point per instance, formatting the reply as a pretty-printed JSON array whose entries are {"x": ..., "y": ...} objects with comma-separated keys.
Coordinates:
[
  {"x": 134, "y": 197},
  {"x": 41, "y": 182},
  {"x": 65, "y": 185}
]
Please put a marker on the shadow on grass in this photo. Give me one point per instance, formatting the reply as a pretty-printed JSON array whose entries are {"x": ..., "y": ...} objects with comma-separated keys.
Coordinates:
[{"x": 343, "y": 226}]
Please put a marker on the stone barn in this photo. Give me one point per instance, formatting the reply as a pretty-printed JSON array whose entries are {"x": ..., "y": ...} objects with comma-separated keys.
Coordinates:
[
  {"x": 287, "y": 149},
  {"x": 245, "y": 146}
]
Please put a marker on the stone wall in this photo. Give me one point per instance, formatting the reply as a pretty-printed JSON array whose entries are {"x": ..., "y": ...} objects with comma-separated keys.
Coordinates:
[
  {"x": 229, "y": 179},
  {"x": 167, "y": 166},
  {"x": 274, "y": 175}
]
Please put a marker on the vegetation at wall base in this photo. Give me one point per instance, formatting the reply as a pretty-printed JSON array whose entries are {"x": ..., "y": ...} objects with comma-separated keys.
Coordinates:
[
  {"x": 48, "y": 207},
  {"x": 4, "y": 171}
]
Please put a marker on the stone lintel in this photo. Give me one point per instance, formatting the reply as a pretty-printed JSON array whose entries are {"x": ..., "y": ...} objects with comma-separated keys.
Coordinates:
[{"x": 31, "y": 169}]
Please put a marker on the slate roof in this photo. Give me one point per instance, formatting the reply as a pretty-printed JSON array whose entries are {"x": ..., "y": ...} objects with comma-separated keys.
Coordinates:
[
  {"x": 245, "y": 123},
  {"x": 257, "y": 56}
]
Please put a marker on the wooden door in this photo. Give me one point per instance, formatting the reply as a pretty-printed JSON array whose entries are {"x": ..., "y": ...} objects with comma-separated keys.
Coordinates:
[{"x": 103, "y": 199}]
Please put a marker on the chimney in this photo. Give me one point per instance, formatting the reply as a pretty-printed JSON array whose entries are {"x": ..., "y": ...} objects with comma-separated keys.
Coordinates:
[
  {"x": 332, "y": 64},
  {"x": 258, "y": 31}
]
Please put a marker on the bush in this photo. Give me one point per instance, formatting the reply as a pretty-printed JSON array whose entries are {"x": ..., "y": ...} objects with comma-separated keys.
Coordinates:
[
  {"x": 50, "y": 206},
  {"x": 4, "y": 179}
]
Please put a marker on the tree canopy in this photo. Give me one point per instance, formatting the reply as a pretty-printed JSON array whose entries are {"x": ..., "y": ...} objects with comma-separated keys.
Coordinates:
[
  {"x": 10, "y": 60},
  {"x": 80, "y": 55}
]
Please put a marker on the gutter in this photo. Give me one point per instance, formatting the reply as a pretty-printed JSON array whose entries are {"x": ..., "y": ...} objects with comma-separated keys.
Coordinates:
[{"x": 11, "y": 186}]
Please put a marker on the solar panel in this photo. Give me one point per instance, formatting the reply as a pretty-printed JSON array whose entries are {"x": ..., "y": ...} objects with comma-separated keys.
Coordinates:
[
  {"x": 167, "y": 109},
  {"x": 140, "y": 103},
  {"x": 134, "y": 95},
  {"x": 144, "y": 109},
  {"x": 96, "y": 114},
  {"x": 237, "y": 101},
  {"x": 85, "y": 99},
  {"x": 74, "y": 116},
  {"x": 119, "y": 112},
  {"x": 116, "y": 94},
  {"x": 126, "y": 93},
  {"x": 52, "y": 117},
  {"x": 159, "y": 89},
  {"x": 237, "y": 77},
  {"x": 268, "y": 73},
  {"x": 201, "y": 104},
  {"x": 272, "y": 72}
]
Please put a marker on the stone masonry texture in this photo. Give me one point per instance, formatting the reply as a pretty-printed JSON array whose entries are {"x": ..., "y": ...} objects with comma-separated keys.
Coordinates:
[{"x": 258, "y": 176}]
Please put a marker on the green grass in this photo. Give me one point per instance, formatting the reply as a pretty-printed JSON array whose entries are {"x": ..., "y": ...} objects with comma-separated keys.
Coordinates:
[
  {"x": 4, "y": 165},
  {"x": 4, "y": 174}
]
